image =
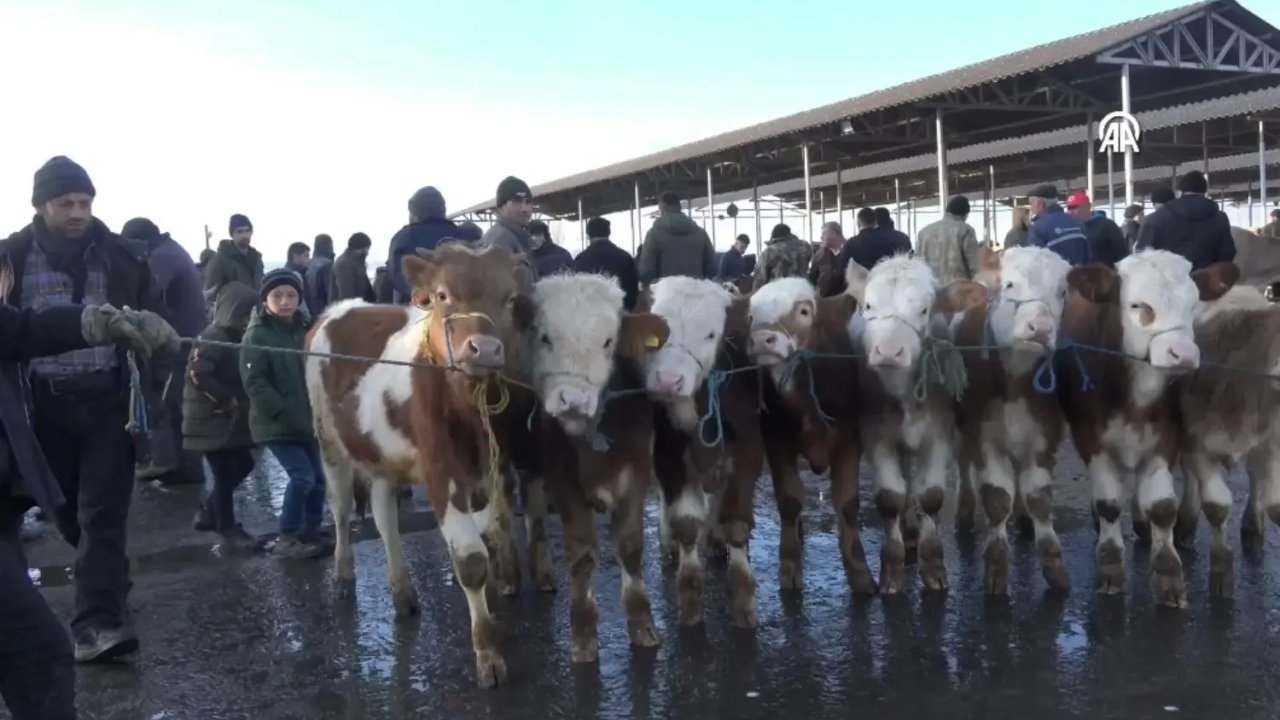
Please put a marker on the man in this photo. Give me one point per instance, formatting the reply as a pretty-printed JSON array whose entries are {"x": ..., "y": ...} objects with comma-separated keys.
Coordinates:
[
  {"x": 37, "y": 675},
  {"x": 383, "y": 293},
  {"x": 732, "y": 264},
  {"x": 351, "y": 272},
  {"x": 1160, "y": 196},
  {"x": 602, "y": 256},
  {"x": 235, "y": 260},
  {"x": 319, "y": 271},
  {"x": 785, "y": 255},
  {"x": 824, "y": 260},
  {"x": 1192, "y": 226},
  {"x": 80, "y": 399},
  {"x": 1272, "y": 229},
  {"x": 1055, "y": 229},
  {"x": 950, "y": 246},
  {"x": 1132, "y": 222},
  {"x": 894, "y": 237},
  {"x": 299, "y": 259},
  {"x": 675, "y": 245},
  {"x": 548, "y": 257},
  {"x": 515, "y": 209},
  {"x": 1106, "y": 240},
  {"x": 427, "y": 228},
  {"x": 860, "y": 248},
  {"x": 205, "y": 256},
  {"x": 179, "y": 284}
]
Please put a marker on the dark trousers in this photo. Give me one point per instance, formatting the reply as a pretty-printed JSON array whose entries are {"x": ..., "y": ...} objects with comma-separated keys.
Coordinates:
[
  {"x": 229, "y": 468},
  {"x": 37, "y": 673},
  {"x": 92, "y": 455},
  {"x": 303, "y": 507},
  {"x": 166, "y": 436}
]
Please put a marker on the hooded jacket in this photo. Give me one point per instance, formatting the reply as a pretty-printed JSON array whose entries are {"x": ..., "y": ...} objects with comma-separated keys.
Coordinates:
[
  {"x": 786, "y": 256},
  {"x": 675, "y": 245},
  {"x": 424, "y": 235},
  {"x": 229, "y": 265},
  {"x": 949, "y": 247},
  {"x": 515, "y": 239},
  {"x": 603, "y": 257},
  {"x": 180, "y": 285},
  {"x": 279, "y": 409},
  {"x": 1106, "y": 240},
  {"x": 550, "y": 258},
  {"x": 1191, "y": 226},
  {"x": 215, "y": 408}
]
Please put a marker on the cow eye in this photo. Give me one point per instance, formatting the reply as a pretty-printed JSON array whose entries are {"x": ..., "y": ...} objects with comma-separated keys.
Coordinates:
[
  {"x": 867, "y": 307},
  {"x": 1135, "y": 306},
  {"x": 608, "y": 343},
  {"x": 924, "y": 312},
  {"x": 711, "y": 335},
  {"x": 545, "y": 340},
  {"x": 441, "y": 296},
  {"x": 1008, "y": 285},
  {"x": 804, "y": 312}
]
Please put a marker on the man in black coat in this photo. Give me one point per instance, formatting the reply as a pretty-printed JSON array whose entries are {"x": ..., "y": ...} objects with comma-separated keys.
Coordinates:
[
  {"x": 80, "y": 400},
  {"x": 1106, "y": 240},
  {"x": 37, "y": 676},
  {"x": 603, "y": 257},
  {"x": 1192, "y": 226}
]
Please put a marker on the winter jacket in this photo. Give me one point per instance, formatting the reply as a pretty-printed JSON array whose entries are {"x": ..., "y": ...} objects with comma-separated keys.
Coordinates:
[
  {"x": 950, "y": 248},
  {"x": 1016, "y": 237},
  {"x": 867, "y": 248},
  {"x": 783, "y": 257},
  {"x": 382, "y": 291},
  {"x": 179, "y": 284},
  {"x": 1271, "y": 229},
  {"x": 516, "y": 240},
  {"x": 317, "y": 286},
  {"x": 228, "y": 265},
  {"x": 279, "y": 409},
  {"x": 304, "y": 305},
  {"x": 1131, "y": 228},
  {"x": 675, "y": 245},
  {"x": 605, "y": 258},
  {"x": 215, "y": 407},
  {"x": 732, "y": 266},
  {"x": 1061, "y": 233},
  {"x": 350, "y": 278},
  {"x": 1106, "y": 240},
  {"x": 550, "y": 258},
  {"x": 1191, "y": 226},
  {"x": 821, "y": 267},
  {"x": 424, "y": 235}
]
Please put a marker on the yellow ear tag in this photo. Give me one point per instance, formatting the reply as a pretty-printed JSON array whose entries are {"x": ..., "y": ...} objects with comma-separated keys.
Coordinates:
[{"x": 651, "y": 342}]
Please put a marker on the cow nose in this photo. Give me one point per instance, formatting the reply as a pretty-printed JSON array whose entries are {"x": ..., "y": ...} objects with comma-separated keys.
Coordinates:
[
  {"x": 1185, "y": 355},
  {"x": 575, "y": 400},
  {"x": 893, "y": 355},
  {"x": 762, "y": 341},
  {"x": 670, "y": 381},
  {"x": 1039, "y": 331},
  {"x": 484, "y": 350}
]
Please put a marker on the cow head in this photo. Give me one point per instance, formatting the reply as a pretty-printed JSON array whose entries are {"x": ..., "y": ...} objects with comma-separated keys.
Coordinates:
[
  {"x": 1029, "y": 294},
  {"x": 895, "y": 300},
  {"x": 476, "y": 313},
  {"x": 697, "y": 312},
  {"x": 579, "y": 330},
  {"x": 1157, "y": 298},
  {"x": 782, "y": 317}
]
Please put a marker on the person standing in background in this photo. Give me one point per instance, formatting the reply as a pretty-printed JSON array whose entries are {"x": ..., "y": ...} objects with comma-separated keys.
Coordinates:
[
  {"x": 675, "y": 245},
  {"x": 1106, "y": 239},
  {"x": 351, "y": 272},
  {"x": 785, "y": 255},
  {"x": 1192, "y": 226},
  {"x": 236, "y": 260},
  {"x": 1055, "y": 229},
  {"x": 1017, "y": 235},
  {"x": 950, "y": 246},
  {"x": 823, "y": 264},
  {"x": 319, "y": 270},
  {"x": 299, "y": 259},
  {"x": 548, "y": 257},
  {"x": 732, "y": 264},
  {"x": 427, "y": 228},
  {"x": 603, "y": 257},
  {"x": 514, "y": 200}
]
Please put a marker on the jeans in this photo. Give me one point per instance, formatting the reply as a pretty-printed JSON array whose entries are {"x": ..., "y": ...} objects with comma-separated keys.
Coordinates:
[
  {"x": 229, "y": 469},
  {"x": 37, "y": 673},
  {"x": 166, "y": 435},
  {"x": 303, "y": 507}
]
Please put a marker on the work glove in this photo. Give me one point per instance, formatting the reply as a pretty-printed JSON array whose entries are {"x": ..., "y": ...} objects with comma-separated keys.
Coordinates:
[{"x": 140, "y": 330}]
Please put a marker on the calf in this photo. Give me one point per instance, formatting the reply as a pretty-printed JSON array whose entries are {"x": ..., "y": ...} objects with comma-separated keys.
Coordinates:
[
  {"x": 788, "y": 321},
  {"x": 596, "y": 452},
  {"x": 1120, "y": 403},
  {"x": 400, "y": 424},
  {"x": 894, "y": 331},
  {"x": 1227, "y": 416},
  {"x": 1009, "y": 429},
  {"x": 708, "y": 331}
]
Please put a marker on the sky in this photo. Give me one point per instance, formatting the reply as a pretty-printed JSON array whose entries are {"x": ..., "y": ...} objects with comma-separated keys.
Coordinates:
[{"x": 325, "y": 116}]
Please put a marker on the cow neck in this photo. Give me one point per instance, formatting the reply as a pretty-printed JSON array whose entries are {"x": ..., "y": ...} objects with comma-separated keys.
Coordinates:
[{"x": 1041, "y": 373}]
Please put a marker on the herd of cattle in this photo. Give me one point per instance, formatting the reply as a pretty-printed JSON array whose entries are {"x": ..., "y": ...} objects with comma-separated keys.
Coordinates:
[{"x": 701, "y": 386}]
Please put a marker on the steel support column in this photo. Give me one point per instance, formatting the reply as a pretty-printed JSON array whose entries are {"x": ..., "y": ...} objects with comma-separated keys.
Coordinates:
[
  {"x": 839, "y": 195},
  {"x": 1128, "y": 151},
  {"x": 897, "y": 206},
  {"x": 711, "y": 208},
  {"x": 582, "y": 227},
  {"x": 1262, "y": 168},
  {"x": 995, "y": 205},
  {"x": 1111, "y": 186},
  {"x": 755, "y": 201},
  {"x": 942, "y": 161},
  {"x": 1088, "y": 157},
  {"x": 808, "y": 194},
  {"x": 638, "y": 237}
]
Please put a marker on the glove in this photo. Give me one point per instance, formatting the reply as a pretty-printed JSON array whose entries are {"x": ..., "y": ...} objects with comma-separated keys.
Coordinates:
[{"x": 140, "y": 330}]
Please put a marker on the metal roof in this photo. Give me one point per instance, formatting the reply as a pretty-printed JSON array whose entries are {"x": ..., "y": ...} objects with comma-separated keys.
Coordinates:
[{"x": 1031, "y": 60}]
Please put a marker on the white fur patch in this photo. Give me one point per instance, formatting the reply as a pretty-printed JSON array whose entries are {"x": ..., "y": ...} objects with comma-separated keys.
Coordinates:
[
  {"x": 1160, "y": 280},
  {"x": 576, "y": 325},
  {"x": 772, "y": 302},
  {"x": 695, "y": 312},
  {"x": 1031, "y": 289}
]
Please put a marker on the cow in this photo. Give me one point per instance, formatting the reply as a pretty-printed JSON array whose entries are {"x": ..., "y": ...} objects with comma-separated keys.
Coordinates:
[
  {"x": 694, "y": 423},
  {"x": 906, "y": 418},
  {"x": 1133, "y": 324},
  {"x": 596, "y": 438},
  {"x": 1229, "y": 414},
  {"x": 804, "y": 343},
  {"x": 426, "y": 414},
  {"x": 1009, "y": 419}
]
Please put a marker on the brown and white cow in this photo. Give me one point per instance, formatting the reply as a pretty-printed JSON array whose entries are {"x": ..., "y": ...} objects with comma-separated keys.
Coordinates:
[
  {"x": 1010, "y": 429},
  {"x": 399, "y": 425},
  {"x": 596, "y": 438},
  {"x": 910, "y": 440},
  {"x": 788, "y": 319},
  {"x": 1134, "y": 324},
  {"x": 708, "y": 331}
]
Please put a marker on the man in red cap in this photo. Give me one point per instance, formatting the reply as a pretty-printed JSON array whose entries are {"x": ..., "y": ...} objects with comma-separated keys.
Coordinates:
[{"x": 1106, "y": 239}]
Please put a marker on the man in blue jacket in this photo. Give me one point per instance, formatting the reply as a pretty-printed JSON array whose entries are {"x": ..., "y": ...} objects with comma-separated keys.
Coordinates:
[
  {"x": 1055, "y": 229},
  {"x": 426, "y": 229}
]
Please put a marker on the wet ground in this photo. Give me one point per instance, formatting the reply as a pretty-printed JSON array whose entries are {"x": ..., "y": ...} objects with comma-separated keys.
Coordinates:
[{"x": 260, "y": 638}]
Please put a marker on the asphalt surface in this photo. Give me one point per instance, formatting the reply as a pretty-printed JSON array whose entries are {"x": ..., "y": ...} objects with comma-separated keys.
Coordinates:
[{"x": 262, "y": 638}]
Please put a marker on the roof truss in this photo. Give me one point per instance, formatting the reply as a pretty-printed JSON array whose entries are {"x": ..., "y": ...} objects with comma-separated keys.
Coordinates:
[{"x": 1204, "y": 40}]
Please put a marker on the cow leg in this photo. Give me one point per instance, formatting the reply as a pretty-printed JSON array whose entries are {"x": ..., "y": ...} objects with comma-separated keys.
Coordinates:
[
  {"x": 844, "y": 496},
  {"x": 933, "y": 570},
  {"x": 505, "y": 567},
  {"x": 1141, "y": 526},
  {"x": 1201, "y": 470},
  {"x": 628, "y": 543},
  {"x": 1107, "y": 486},
  {"x": 788, "y": 493},
  {"x": 1023, "y": 522},
  {"x": 910, "y": 521},
  {"x": 1159, "y": 504},
  {"x": 386, "y": 515},
  {"x": 1184, "y": 531},
  {"x": 466, "y": 544},
  {"x": 966, "y": 496},
  {"x": 737, "y": 517},
  {"x": 1035, "y": 486},
  {"x": 687, "y": 516},
  {"x": 666, "y": 546},
  {"x": 535, "y": 529},
  {"x": 578, "y": 520},
  {"x": 891, "y": 503},
  {"x": 997, "y": 491},
  {"x": 340, "y": 489}
]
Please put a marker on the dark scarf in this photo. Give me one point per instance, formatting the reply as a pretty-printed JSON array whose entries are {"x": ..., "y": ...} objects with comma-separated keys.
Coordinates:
[{"x": 69, "y": 256}]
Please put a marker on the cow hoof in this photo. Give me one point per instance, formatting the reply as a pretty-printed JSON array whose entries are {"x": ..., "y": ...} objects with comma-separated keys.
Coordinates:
[
  {"x": 790, "y": 574},
  {"x": 1055, "y": 573},
  {"x": 545, "y": 581},
  {"x": 933, "y": 570},
  {"x": 1110, "y": 572},
  {"x": 405, "y": 601},
  {"x": 344, "y": 587},
  {"x": 584, "y": 649},
  {"x": 667, "y": 554},
  {"x": 1168, "y": 584},
  {"x": 996, "y": 560},
  {"x": 1184, "y": 530},
  {"x": 1142, "y": 531},
  {"x": 861, "y": 582},
  {"x": 491, "y": 669},
  {"x": 643, "y": 632}
]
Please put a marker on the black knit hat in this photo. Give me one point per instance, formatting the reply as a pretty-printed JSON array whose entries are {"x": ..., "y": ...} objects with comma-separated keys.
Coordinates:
[
  {"x": 238, "y": 221},
  {"x": 1046, "y": 192},
  {"x": 513, "y": 188},
  {"x": 57, "y": 177},
  {"x": 278, "y": 277},
  {"x": 1193, "y": 182},
  {"x": 780, "y": 230},
  {"x": 427, "y": 203},
  {"x": 140, "y": 229},
  {"x": 359, "y": 241},
  {"x": 1161, "y": 195},
  {"x": 538, "y": 227}
]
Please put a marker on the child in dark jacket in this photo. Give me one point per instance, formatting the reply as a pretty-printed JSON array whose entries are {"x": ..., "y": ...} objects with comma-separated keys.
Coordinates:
[{"x": 215, "y": 413}]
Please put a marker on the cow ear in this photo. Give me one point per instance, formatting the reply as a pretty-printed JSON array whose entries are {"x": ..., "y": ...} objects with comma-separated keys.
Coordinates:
[
  {"x": 836, "y": 310},
  {"x": 523, "y": 313},
  {"x": 737, "y": 319},
  {"x": 1095, "y": 283},
  {"x": 644, "y": 301},
  {"x": 641, "y": 333},
  {"x": 988, "y": 259},
  {"x": 855, "y": 277},
  {"x": 419, "y": 270},
  {"x": 1215, "y": 280},
  {"x": 962, "y": 295}
]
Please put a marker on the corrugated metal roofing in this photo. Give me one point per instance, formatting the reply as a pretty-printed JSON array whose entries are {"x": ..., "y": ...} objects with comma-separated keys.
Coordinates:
[{"x": 1033, "y": 59}]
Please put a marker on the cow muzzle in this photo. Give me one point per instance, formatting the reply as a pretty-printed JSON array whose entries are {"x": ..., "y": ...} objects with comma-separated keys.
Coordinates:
[
  {"x": 890, "y": 355},
  {"x": 571, "y": 401},
  {"x": 1178, "y": 352},
  {"x": 770, "y": 347},
  {"x": 479, "y": 354},
  {"x": 1039, "y": 331}
]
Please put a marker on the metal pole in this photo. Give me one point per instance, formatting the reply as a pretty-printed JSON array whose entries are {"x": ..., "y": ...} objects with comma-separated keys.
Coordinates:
[
  {"x": 942, "y": 162},
  {"x": 637, "y": 238},
  {"x": 1204, "y": 148},
  {"x": 711, "y": 208},
  {"x": 822, "y": 205},
  {"x": 995, "y": 205},
  {"x": 1111, "y": 186},
  {"x": 582, "y": 227},
  {"x": 897, "y": 203},
  {"x": 914, "y": 225},
  {"x": 839, "y": 195},
  {"x": 1128, "y": 151},
  {"x": 1249, "y": 200},
  {"x": 755, "y": 200},
  {"x": 1262, "y": 168},
  {"x": 808, "y": 193},
  {"x": 1088, "y": 158}
]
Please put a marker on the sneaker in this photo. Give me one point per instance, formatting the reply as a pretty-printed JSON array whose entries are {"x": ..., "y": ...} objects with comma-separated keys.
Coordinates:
[
  {"x": 322, "y": 537},
  {"x": 293, "y": 548},
  {"x": 237, "y": 540},
  {"x": 105, "y": 644},
  {"x": 202, "y": 522},
  {"x": 147, "y": 473}
]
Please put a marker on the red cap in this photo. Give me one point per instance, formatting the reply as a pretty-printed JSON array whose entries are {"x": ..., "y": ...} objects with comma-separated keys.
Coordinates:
[{"x": 1076, "y": 199}]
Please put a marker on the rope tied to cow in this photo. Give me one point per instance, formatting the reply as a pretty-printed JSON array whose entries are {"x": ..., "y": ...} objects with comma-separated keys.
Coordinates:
[
  {"x": 789, "y": 368},
  {"x": 138, "y": 422},
  {"x": 480, "y": 398},
  {"x": 941, "y": 363}
]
